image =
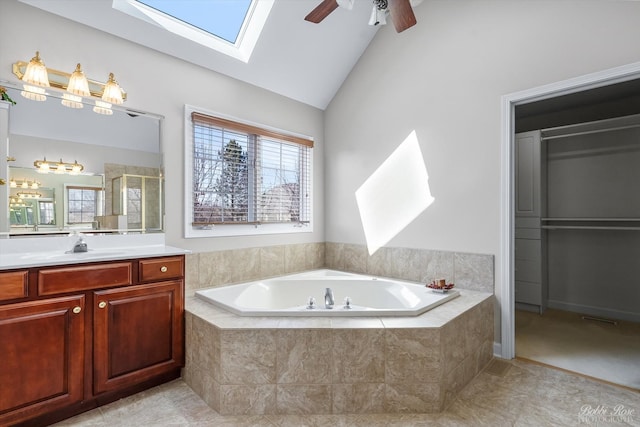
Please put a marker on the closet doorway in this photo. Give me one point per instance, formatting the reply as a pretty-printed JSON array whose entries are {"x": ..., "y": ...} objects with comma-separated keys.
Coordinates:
[{"x": 576, "y": 245}]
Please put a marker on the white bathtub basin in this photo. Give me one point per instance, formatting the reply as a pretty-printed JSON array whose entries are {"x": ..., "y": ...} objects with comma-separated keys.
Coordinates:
[{"x": 289, "y": 296}]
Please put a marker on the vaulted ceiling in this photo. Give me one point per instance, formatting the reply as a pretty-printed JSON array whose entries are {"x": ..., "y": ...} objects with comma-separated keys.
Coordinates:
[{"x": 295, "y": 58}]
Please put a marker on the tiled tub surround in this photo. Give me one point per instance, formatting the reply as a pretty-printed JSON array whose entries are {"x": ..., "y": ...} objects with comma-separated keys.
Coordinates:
[
  {"x": 258, "y": 365},
  {"x": 219, "y": 268}
]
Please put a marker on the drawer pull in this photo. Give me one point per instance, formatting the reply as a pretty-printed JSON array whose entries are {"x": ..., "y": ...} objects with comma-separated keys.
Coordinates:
[
  {"x": 77, "y": 309},
  {"x": 102, "y": 304},
  {"x": 163, "y": 269}
]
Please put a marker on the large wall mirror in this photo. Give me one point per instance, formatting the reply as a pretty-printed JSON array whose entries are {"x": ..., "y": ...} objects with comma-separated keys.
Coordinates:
[{"x": 120, "y": 188}]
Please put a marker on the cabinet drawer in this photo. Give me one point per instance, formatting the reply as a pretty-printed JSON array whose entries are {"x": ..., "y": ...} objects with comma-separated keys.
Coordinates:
[
  {"x": 161, "y": 268},
  {"x": 528, "y": 271},
  {"x": 528, "y": 293},
  {"x": 80, "y": 278},
  {"x": 528, "y": 249},
  {"x": 527, "y": 233},
  {"x": 14, "y": 285}
]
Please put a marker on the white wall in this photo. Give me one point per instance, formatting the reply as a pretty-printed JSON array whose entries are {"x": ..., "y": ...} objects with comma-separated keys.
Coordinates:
[
  {"x": 445, "y": 78},
  {"x": 161, "y": 84}
]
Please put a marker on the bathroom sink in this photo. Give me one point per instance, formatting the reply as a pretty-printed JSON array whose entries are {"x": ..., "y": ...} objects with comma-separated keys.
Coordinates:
[{"x": 91, "y": 254}]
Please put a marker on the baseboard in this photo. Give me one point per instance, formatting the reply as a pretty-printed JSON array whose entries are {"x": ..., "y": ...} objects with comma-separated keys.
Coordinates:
[
  {"x": 497, "y": 349},
  {"x": 595, "y": 311}
]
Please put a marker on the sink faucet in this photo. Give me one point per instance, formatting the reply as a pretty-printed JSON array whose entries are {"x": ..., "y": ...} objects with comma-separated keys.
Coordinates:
[
  {"x": 328, "y": 298},
  {"x": 80, "y": 246}
]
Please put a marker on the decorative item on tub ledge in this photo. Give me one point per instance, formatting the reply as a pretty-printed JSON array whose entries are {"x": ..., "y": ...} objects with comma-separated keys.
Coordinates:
[
  {"x": 37, "y": 78},
  {"x": 440, "y": 286},
  {"x": 44, "y": 166}
]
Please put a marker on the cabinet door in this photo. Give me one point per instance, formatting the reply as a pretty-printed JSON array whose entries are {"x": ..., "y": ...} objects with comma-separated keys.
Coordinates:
[
  {"x": 527, "y": 170},
  {"x": 41, "y": 357},
  {"x": 138, "y": 334}
]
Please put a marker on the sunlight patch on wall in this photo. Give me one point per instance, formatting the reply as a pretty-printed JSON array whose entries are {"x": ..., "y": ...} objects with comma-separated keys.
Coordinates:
[{"x": 394, "y": 195}]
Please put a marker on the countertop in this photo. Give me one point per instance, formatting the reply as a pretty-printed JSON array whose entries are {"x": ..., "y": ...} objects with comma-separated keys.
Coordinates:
[{"x": 47, "y": 251}]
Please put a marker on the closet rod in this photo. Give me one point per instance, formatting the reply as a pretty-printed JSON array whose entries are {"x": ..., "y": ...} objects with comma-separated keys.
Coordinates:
[
  {"x": 588, "y": 132},
  {"x": 587, "y": 227}
]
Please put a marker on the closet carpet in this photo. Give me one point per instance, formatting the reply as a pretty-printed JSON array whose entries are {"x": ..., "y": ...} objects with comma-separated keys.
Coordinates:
[{"x": 596, "y": 349}]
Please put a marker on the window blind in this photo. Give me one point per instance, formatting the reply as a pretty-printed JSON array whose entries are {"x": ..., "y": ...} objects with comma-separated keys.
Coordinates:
[{"x": 243, "y": 174}]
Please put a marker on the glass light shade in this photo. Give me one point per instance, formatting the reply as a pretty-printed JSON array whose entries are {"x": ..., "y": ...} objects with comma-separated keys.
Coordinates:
[
  {"x": 71, "y": 101},
  {"x": 35, "y": 185},
  {"x": 25, "y": 184},
  {"x": 36, "y": 72},
  {"x": 76, "y": 168},
  {"x": 112, "y": 92},
  {"x": 78, "y": 84},
  {"x": 60, "y": 168},
  {"x": 34, "y": 93},
  {"x": 103, "y": 108},
  {"x": 42, "y": 165},
  {"x": 13, "y": 183}
]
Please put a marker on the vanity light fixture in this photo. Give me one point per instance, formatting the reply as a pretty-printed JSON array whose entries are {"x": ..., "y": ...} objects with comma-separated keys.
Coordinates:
[
  {"x": 16, "y": 202},
  {"x": 37, "y": 78},
  {"x": 77, "y": 88},
  {"x": 28, "y": 195},
  {"x": 43, "y": 166}
]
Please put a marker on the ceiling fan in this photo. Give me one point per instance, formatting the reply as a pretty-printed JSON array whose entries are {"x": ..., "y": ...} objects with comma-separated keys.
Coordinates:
[{"x": 400, "y": 12}]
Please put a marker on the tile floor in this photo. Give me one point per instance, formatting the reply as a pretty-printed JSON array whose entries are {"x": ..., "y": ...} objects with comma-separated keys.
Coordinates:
[{"x": 527, "y": 394}]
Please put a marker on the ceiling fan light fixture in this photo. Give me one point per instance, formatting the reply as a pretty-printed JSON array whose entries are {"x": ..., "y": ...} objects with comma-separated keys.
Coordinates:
[
  {"x": 345, "y": 4},
  {"x": 378, "y": 16}
]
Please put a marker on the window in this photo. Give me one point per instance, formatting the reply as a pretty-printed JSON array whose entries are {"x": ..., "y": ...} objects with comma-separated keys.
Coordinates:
[
  {"x": 244, "y": 179},
  {"x": 230, "y": 27},
  {"x": 222, "y": 19},
  {"x": 82, "y": 204}
]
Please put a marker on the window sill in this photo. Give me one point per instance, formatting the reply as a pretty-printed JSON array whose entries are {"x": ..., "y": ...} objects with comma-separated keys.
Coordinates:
[{"x": 245, "y": 230}]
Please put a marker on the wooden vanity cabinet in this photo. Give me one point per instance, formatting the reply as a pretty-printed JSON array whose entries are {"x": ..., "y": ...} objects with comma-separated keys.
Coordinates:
[
  {"x": 42, "y": 358},
  {"x": 75, "y": 337},
  {"x": 137, "y": 334}
]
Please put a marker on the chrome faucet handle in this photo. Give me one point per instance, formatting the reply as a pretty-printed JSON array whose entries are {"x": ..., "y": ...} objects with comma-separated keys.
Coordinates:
[
  {"x": 347, "y": 303},
  {"x": 311, "y": 303}
]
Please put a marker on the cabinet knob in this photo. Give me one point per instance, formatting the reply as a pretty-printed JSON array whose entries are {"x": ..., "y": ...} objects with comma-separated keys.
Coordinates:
[
  {"x": 102, "y": 304},
  {"x": 77, "y": 309},
  {"x": 163, "y": 269}
]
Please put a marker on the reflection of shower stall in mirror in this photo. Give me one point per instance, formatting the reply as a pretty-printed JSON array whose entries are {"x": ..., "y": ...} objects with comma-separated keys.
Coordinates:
[{"x": 139, "y": 199}]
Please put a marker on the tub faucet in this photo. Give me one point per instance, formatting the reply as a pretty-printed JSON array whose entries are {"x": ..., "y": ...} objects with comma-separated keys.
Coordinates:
[{"x": 328, "y": 298}]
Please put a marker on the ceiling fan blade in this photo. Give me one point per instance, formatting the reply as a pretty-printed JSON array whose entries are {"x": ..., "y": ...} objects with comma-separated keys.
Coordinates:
[
  {"x": 401, "y": 14},
  {"x": 322, "y": 11}
]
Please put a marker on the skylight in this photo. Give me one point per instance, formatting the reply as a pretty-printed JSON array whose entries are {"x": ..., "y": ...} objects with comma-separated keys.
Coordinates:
[
  {"x": 221, "y": 18},
  {"x": 231, "y": 27}
]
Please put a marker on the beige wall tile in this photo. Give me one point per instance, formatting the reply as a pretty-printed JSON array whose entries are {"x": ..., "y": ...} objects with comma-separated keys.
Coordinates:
[
  {"x": 254, "y": 399},
  {"x": 358, "y": 356},
  {"x": 413, "y": 355},
  {"x": 248, "y": 356},
  {"x": 303, "y": 399},
  {"x": 355, "y": 258},
  {"x": 453, "y": 338},
  {"x": 474, "y": 271},
  {"x": 294, "y": 258},
  {"x": 413, "y": 397},
  {"x": 362, "y": 398},
  {"x": 303, "y": 356},
  {"x": 271, "y": 261}
]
